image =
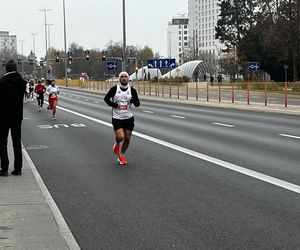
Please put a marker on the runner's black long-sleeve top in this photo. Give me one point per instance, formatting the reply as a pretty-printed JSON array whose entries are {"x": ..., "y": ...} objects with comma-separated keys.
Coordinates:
[{"x": 111, "y": 93}]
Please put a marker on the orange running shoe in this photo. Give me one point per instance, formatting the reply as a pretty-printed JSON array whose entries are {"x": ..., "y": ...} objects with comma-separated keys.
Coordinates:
[
  {"x": 122, "y": 160},
  {"x": 116, "y": 148}
]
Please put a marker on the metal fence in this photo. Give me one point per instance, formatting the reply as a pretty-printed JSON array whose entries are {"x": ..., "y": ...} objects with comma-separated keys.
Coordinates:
[{"x": 237, "y": 92}]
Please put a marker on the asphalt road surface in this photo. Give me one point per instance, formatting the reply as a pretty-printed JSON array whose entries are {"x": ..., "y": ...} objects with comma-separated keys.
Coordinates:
[{"x": 197, "y": 177}]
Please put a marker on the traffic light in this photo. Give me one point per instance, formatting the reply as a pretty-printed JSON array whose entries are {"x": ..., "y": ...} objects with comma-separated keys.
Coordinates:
[
  {"x": 104, "y": 52},
  {"x": 19, "y": 61},
  {"x": 56, "y": 57},
  {"x": 87, "y": 55},
  {"x": 70, "y": 57}
]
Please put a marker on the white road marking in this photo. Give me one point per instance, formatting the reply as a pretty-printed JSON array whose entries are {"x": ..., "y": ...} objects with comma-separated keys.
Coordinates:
[
  {"x": 223, "y": 124},
  {"x": 62, "y": 225},
  {"x": 277, "y": 182},
  {"x": 148, "y": 111},
  {"x": 96, "y": 102},
  {"x": 290, "y": 136},
  {"x": 178, "y": 116},
  {"x": 86, "y": 100}
]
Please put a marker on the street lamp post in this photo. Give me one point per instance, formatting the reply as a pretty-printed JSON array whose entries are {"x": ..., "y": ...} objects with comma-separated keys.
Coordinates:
[
  {"x": 124, "y": 61},
  {"x": 46, "y": 56},
  {"x": 22, "y": 65},
  {"x": 65, "y": 43},
  {"x": 49, "y": 48},
  {"x": 34, "y": 57}
]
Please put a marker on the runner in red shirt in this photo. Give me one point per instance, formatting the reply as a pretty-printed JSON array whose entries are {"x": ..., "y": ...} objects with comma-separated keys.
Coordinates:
[{"x": 40, "y": 89}]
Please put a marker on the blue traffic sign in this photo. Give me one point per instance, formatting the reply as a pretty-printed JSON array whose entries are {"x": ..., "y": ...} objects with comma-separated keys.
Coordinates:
[
  {"x": 253, "y": 66},
  {"x": 285, "y": 66},
  {"x": 112, "y": 65},
  {"x": 162, "y": 63}
]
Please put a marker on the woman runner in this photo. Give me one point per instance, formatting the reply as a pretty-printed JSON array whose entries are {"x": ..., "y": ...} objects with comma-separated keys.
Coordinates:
[{"x": 52, "y": 91}]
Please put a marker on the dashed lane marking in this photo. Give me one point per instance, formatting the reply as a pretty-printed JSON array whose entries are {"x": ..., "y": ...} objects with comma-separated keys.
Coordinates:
[
  {"x": 290, "y": 136},
  {"x": 223, "y": 124},
  {"x": 178, "y": 116},
  {"x": 148, "y": 111}
]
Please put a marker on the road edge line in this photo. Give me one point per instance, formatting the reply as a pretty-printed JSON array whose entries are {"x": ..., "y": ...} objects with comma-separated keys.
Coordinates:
[{"x": 64, "y": 229}]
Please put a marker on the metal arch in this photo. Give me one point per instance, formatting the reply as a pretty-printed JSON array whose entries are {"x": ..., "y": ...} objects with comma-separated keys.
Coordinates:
[{"x": 188, "y": 69}]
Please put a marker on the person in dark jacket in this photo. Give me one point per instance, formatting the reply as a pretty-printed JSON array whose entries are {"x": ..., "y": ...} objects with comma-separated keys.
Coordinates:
[{"x": 12, "y": 88}]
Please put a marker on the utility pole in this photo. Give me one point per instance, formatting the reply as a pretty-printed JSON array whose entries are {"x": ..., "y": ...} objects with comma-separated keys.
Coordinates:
[
  {"x": 124, "y": 59},
  {"x": 49, "y": 69},
  {"x": 46, "y": 56},
  {"x": 22, "y": 64},
  {"x": 65, "y": 42},
  {"x": 34, "y": 56}
]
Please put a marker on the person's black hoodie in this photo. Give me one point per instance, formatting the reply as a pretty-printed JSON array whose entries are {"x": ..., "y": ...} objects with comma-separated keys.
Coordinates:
[{"x": 12, "y": 88}]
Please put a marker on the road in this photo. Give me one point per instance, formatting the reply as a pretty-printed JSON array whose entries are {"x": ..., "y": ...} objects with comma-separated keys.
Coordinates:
[{"x": 197, "y": 177}]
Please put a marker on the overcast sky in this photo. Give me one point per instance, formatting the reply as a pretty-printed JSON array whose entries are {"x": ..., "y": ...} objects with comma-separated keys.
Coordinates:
[{"x": 90, "y": 23}]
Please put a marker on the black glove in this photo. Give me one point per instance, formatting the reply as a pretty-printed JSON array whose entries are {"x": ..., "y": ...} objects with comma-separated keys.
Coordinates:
[{"x": 115, "y": 105}]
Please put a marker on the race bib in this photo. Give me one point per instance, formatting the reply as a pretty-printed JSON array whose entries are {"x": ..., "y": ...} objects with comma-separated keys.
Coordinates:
[{"x": 123, "y": 107}]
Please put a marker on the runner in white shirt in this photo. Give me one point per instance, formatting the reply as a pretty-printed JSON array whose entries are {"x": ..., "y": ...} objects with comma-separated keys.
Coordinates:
[
  {"x": 52, "y": 91},
  {"x": 120, "y": 97}
]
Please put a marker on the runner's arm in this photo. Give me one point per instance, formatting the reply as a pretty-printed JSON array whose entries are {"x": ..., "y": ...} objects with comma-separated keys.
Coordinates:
[
  {"x": 134, "y": 99},
  {"x": 109, "y": 97}
]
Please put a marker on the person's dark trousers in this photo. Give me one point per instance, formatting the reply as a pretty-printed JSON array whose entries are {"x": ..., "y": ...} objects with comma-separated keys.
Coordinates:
[
  {"x": 40, "y": 99},
  {"x": 15, "y": 130}
]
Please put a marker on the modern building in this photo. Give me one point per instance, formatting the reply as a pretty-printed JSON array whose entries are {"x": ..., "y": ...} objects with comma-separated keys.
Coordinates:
[
  {"x": 8, "y": 44},
  {"x": 178, "y": 38},
  {"x": 203, "y": 17}
]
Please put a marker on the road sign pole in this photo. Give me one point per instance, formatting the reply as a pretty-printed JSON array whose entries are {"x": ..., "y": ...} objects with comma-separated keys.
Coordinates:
[
  {"x": 285, "y": 85},
  {"x": 285, "y": 89}
]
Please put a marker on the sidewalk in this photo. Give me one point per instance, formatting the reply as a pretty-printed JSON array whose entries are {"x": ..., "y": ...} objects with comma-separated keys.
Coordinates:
[{"x": 29, "y": 218}]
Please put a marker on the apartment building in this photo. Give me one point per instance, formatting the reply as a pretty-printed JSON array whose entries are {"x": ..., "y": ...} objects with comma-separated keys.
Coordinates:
[
  {"x": 8, "y": 44},
  {"x": 178, "y": 37},
  {"x": 203, "y": 17}
]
